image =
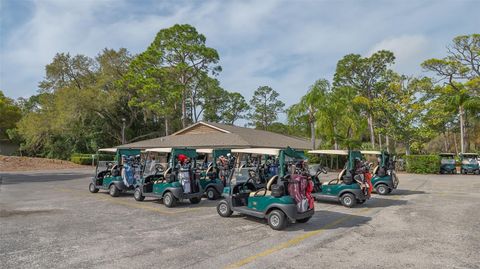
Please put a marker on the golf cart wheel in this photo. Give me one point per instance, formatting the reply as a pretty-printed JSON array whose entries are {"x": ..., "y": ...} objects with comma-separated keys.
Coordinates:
[
  {"x": 223, "y": 209},
  {"x": 212, "y": 194},
  {"x": 277, "y": 220},
  {"x": 348, "y": 200},
  {"x": 477, "y": 172},
  {"x": 381, "y": 189},
  {"x": 305, "y": 220},
  {"x": 169, "y": 200},
  {"x": 138, "y": 195},
  {"x": 92, "y": 188},
  {"x": 195, "y": 200},
  {"x": 114, "y": 191}
]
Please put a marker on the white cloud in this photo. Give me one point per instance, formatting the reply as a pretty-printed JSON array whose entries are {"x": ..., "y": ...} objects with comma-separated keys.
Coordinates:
[
  {"x": 409, "y": 50},
  {"x": 287, "y": 45}
]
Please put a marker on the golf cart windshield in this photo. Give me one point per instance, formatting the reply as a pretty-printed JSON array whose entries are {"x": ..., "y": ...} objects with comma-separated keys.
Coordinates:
[
  {"x": 241, "y": 175},
  {"x": 447, "y": 161},
  {"x": 469, "y": 159}
]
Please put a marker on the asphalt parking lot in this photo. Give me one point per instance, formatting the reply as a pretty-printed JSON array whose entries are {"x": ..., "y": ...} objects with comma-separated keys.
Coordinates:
[{"x": 50, "y": 220}]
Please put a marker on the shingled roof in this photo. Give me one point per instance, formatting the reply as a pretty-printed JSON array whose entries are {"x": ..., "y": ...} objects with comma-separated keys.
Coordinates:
[{"x": 217, "y": 135}]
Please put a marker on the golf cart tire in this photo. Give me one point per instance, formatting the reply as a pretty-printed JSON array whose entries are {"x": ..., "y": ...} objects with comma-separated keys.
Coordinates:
[
  {"x": 169, "y": 199},
  {"x": 348, "y": 200},
  {"x": 92, "y": 188},
  {"x": 477, "y": 172},
  {"x": 382, "y": 189},
  {"x": 113, "y": 190},
  {"x": 195, "y": 200},
  {"x": 305, "y": 220},
  {"x": 212, "y": 193},
  {"x": 138, "y": 195},
  {"x": 277, "y": 220},
  {"x": 223, "y": 209}
]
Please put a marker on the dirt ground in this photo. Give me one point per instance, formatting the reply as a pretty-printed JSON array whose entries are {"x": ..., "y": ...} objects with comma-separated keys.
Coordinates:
[{"x": 15, "y": 163}]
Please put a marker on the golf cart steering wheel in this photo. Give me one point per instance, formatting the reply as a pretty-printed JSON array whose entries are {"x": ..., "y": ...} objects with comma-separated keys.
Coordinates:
[
  {"x": 159, "y": 169},
  {"x": 322, "y": 169},
  {"x": 250, "y": 180}
]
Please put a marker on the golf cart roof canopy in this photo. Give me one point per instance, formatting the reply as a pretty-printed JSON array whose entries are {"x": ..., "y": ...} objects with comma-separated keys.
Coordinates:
[
  {"x": 205, "y": 151},
  {"x": 469, "y": 154},
  {"x": 327, "y": 151},
  {"x": 372, "y": 152},
  {"x": 108, "y": 150},
  {"x": 266, "y": 151},
  {"x": 164, "y": 150}
]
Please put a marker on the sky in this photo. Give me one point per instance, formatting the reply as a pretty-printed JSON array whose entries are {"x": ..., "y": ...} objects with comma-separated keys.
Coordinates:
[{"x": 287, "y": 45}]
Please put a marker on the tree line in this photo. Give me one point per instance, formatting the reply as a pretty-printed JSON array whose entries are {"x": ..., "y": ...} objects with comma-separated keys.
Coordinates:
[
  {"x": 368, "y": 101},
  {"x": 84, "y": 103}
]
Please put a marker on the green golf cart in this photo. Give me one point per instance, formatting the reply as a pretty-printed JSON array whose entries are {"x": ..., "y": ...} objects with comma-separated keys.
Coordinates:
[
  {"x": 170, "y": 182},
  {"x": 342, "y": 188},
  {"x": 384, "y": 179},
  {"x": 108, "y": 173},
  {"x": 447, "y": 163},
  {"x": 470, "y": 163},
  {"x": 211, "y": 177},
  {"x": 273, "y": 202}
]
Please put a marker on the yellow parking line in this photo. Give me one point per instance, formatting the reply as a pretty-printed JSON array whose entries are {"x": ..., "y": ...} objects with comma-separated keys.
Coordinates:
[
  {"x": 125, "y": 203},
  {"x": 293, "y": 241}
]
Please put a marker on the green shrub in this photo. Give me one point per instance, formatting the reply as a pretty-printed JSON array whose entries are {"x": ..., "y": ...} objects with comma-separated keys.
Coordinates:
[
  {"x": 423, "y": 164},
  {"x": 86, "y": 159},
  {"x": 81, "y": 160}
]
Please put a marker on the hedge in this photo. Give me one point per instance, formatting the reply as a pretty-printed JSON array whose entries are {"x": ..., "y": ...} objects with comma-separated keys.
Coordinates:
[
  {"x": 423, "y": 164},
  {"x": 86, "y": 159}
]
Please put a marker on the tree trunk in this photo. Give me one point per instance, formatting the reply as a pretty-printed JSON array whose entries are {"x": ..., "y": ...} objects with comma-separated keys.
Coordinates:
[
  {"x": 312, "y": 135},
  {"x": 335, "y": 144},
  {"x": 462, "y": 130},
  {"x": 184, "y": 111},
  {"x": 407, "y": 148},
  {"x": 455, "y": 143},
  {"x": 445, "y": 142},
  {"x": 166, "y": 126},
  {"x": 370, "y": 127},
  {"x": 380, "y": 141},
  {"x": 387, "y": 142}
]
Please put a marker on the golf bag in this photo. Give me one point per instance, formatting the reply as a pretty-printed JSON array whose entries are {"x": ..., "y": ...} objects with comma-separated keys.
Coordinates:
[
  {"x": 128, "y": 173},
  {"x": 297, "y": 187},
  {"x": 185, "y": 179}
]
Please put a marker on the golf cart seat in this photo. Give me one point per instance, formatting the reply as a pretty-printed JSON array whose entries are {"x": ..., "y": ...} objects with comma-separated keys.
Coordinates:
[
  {"x": 209, "y": 170},
  {"x": 169, "y": 170},
  {"x": 268, "y": 187},
  {"x": 375, "y": 170},
  {"x": 337, "y": 180}
]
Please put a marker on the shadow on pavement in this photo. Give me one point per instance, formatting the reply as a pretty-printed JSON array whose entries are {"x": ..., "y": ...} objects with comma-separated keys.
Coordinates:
[
  {"x": 10, "y": 179},
  {"x": 322, "y": 220},
  {"x": 330, "y": 220},
  {"x": 151, "y": 200},
  {"x": 400, "y": 192},
  {"x": 382, "y": 202}
]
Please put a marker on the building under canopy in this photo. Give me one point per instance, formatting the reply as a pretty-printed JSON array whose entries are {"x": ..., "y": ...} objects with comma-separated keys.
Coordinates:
[{"x": 217, "y": 135}]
